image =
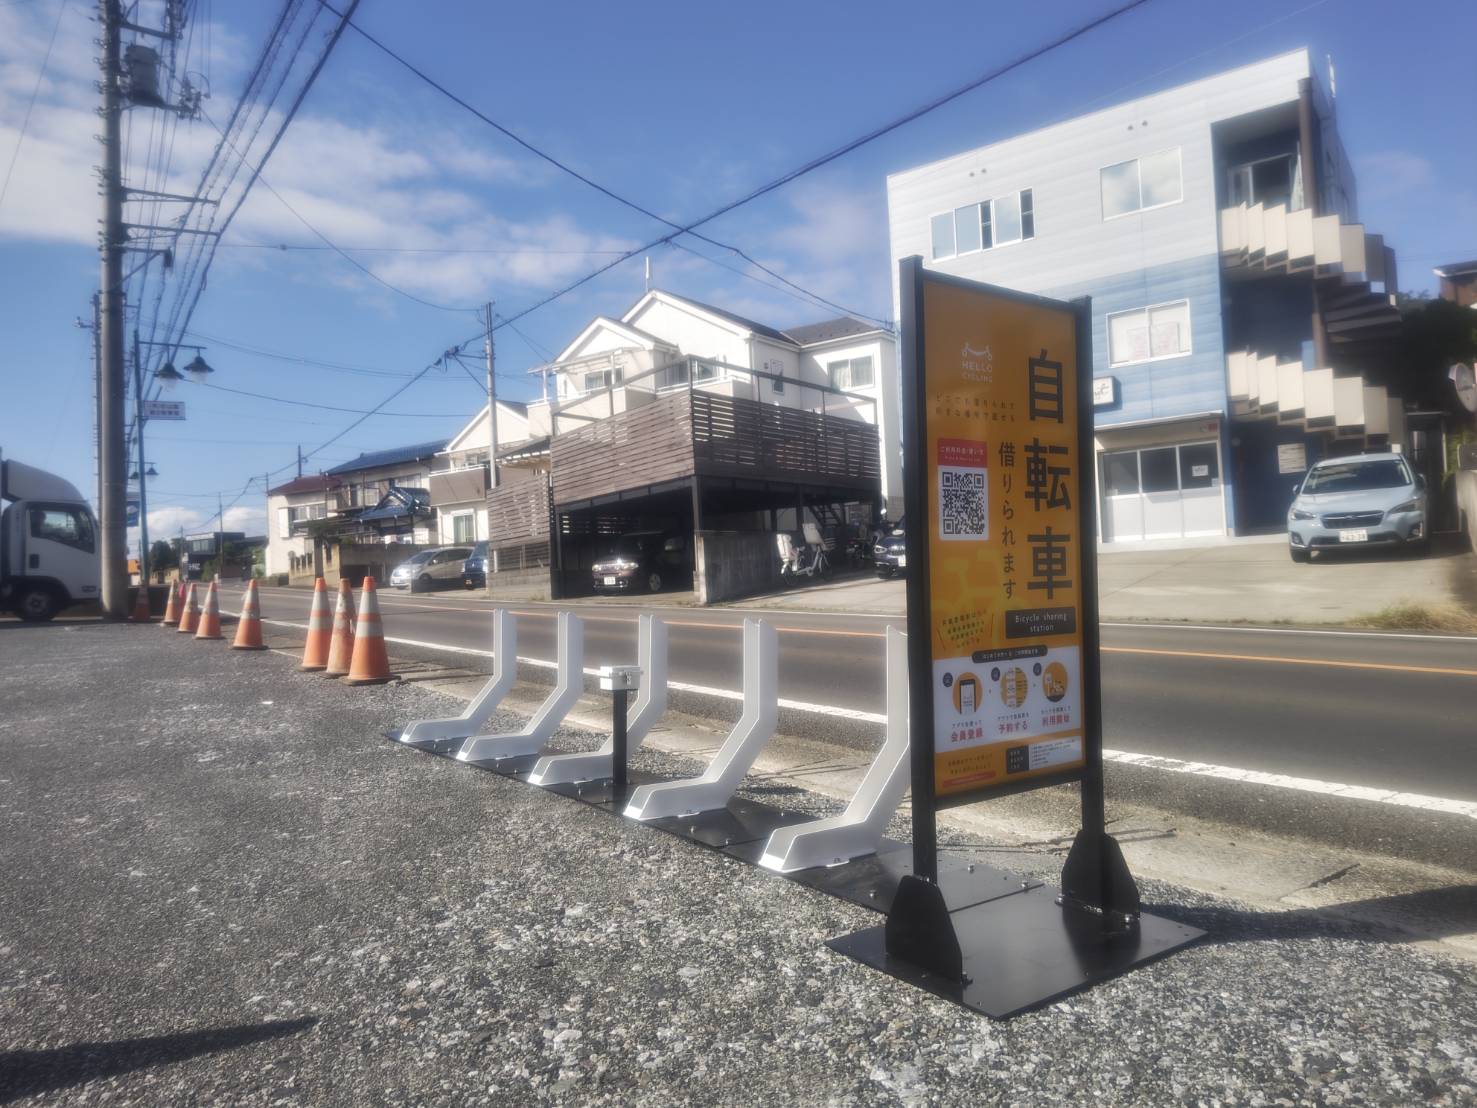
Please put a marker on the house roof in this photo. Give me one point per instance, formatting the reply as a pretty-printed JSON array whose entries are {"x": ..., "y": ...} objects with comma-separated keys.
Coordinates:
[
  {"x": 393, "y": 456},
  {"x": 399, "y": 502},
  {"x": 308, "y": 482},
  {"x": 1457, "y": 269},
  {"x": 842, "y": 327},
  {"x": 732, "y": 317}
]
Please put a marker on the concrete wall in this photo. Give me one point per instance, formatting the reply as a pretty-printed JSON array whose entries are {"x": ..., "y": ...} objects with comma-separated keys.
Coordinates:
[
  {"x": 730, "y": 564},
  {"x": 1466, "y": 500}
]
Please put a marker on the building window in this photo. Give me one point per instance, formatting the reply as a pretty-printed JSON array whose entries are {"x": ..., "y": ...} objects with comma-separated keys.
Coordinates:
[
  {"x": 463, "y": 527},
  {"x": 1148, "y": 334},
  {"x": 602, "y": 379},
  {"x": 1148, "y": 182},
  {"x": 983, "y": 226},
  {"x": 850, "y": 373},
  {"x": 1267, "y": 181}
]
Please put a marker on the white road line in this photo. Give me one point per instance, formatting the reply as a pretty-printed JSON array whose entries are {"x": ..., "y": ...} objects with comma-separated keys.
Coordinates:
[
  {"x": 1466, "y": 808},
  {"x": 1122, "y": 757},
  {"x": 1294, "y": 631}
]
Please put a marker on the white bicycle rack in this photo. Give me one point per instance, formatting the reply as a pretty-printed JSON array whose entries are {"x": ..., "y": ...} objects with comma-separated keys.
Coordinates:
[
  {"x": 858, "y": 830},
  {"x": 651, "y": 703},
  {"x": 568, "y": 687},
  {"x": 737, "y": 754},
  {"x": 430, "y": 732}
]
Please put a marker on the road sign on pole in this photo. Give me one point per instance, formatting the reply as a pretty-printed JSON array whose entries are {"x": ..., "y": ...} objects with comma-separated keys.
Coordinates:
[
  {"x": 1004, "y": 680},
  {"x": 164, "y": 409}
]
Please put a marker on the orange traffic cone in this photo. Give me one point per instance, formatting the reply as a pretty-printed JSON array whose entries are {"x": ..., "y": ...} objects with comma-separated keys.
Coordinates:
[
  {"x": 189, "y": 618},
  {"x": 320, "y": 629},
  {"x": 371, "y": 665},
  {"x": 249, "y": 627},
  {"x": 141, "y": 613},
  {"x": 172, "y": 607},
  {"x": 210, "y": 618},
  {"x": 341, "y": 647}
]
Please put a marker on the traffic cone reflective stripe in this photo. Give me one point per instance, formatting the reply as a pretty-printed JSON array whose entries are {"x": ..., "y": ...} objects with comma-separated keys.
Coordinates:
[
  {"x": 320, "y": 628},
  {"x": 172, "y": 606},
  {"x": 189, "y": 620},
  {"x": 341, "y": 645},
  {"x": 249, "y": 627},
  {"x": 210, "y": 619},
  {"x": 370, "y": 665}
]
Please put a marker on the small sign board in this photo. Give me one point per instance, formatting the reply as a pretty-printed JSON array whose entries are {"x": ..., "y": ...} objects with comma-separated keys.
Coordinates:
[
  {"x": 164, "y": 409},
  {"x": 1292, "y": 457},
  {"x": 130, "y": 512},
  {"x": 1104, "y": 391}
]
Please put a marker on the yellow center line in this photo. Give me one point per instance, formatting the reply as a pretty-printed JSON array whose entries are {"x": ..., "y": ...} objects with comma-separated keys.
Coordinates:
[{"x": 1291, "y": 661}]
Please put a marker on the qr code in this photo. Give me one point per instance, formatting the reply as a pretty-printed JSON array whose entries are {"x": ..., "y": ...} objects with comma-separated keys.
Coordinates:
[{"x": 964, "y": 511}]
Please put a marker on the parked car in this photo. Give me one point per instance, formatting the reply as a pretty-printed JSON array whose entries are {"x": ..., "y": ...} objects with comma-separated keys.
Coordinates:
[
  {"x": 1358, "y": 501},
  {"x": 891, "y": 551},
  {"x": 474, "y": 569},
  {"x": 649, "y": 560},
  {"x": 431, "y": 569}
]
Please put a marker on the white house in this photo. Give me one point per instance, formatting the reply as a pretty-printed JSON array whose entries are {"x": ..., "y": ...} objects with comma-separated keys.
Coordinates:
[{"x": 459, "y": 485}]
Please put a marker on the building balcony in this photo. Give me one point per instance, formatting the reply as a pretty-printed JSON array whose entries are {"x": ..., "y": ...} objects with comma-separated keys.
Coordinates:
[
  {"x": 1314, "y": 399},
  {"x": 459, "y": 486}
]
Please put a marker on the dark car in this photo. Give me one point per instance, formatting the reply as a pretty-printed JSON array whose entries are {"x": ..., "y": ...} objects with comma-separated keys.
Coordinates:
[
  {"x": 649, "y": 560},
  {"x": 474, "y": 569},
  {"x": 891, "y": 550}
]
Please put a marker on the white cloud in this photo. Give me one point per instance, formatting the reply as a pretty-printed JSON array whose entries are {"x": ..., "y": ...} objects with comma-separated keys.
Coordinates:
[
  {"x": 170, "y": 520},
  {"x": 1387, "y": 173}
]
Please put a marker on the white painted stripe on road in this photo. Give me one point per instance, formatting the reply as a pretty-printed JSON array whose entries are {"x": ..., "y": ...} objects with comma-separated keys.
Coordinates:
[
  {"x": 1294, "y": 631},
  {"x": 1301, "y": 784},
  {"x": 1122, "y": 757}
]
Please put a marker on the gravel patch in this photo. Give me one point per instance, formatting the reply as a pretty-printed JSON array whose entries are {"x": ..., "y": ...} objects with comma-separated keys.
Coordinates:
[{"x": 219, "y": 885}]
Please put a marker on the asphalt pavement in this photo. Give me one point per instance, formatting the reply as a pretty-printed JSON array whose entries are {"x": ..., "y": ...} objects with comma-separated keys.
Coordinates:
[
  {"x": 218, "y": 885},
  {"x": 1377, "y": 711}
]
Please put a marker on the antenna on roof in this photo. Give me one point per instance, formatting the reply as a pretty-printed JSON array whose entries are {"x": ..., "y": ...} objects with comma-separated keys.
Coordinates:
[{"x": 648, "y": 273}]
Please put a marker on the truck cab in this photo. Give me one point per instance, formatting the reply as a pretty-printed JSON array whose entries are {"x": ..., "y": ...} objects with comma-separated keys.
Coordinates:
[{"x": 48, "y": 544}]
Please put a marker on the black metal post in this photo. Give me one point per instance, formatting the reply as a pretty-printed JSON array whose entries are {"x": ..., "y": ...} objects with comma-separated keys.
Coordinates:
[
  {"x": 915, "y": 522},
  {"x": 1093, "y": 817},
  {"x": 618, "y": 741}
]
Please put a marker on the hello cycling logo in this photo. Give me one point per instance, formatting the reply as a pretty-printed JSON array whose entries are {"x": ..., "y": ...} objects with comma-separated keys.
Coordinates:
[{"x": 977, "y": 363}]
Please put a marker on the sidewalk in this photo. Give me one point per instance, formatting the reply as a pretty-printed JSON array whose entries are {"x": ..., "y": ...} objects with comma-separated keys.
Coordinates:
[
  {"x": 219, "y": 885},
  {"x": 1248, "y": 581}
]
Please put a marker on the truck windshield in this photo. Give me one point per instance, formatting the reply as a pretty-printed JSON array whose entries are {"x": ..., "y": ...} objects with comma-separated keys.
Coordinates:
[{"x": 1386, "y": 473}]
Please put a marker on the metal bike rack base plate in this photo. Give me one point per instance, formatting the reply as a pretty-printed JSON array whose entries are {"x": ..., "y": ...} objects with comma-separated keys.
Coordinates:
[
  {"x": 741, "y": 821},
  {"x": 514, "y": 765},
  {"x": 442, "y": 748},
  {"x": 1023, "y": 950},
  {"x": 601, "y": 793}
]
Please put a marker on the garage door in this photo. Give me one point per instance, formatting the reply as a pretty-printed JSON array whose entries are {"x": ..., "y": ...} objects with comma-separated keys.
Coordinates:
[{"x": 1162, "y": 492}]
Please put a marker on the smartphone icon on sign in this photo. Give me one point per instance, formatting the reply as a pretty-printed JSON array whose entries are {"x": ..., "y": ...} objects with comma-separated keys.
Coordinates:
[{"x": 969, "y": 690}]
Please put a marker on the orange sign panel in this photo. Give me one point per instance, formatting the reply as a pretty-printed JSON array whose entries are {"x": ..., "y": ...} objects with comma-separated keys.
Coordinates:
[{"x": 1003, "y": 481}]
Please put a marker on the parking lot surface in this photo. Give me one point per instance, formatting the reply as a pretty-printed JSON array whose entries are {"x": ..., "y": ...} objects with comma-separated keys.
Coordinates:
[{"x": 218, "y": 884}]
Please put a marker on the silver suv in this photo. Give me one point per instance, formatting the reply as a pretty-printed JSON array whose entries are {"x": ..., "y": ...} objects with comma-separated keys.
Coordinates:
[{"x": 1363, "y": 500}]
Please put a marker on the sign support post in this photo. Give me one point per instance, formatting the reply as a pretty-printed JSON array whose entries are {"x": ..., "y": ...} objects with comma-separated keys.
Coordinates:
[{"x": 1003, "y": 650}]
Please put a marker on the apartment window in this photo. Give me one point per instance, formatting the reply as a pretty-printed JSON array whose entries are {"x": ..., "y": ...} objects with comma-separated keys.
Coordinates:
[
  {"x": 850, "y": 373},
  {"x": 1148, "y": 334},
  {"x": 1267, "y": 181},
  {"x": 603, "y": 379},
  {"x": 1148, "y": 182},
  {"x": 463, "y": 527},
  {"x": 306, "y": 511},
  {"x": 990, "y": 223}
]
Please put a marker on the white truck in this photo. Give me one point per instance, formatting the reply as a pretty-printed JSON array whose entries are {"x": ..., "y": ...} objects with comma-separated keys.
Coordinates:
[{"x": 48, "y": 544}]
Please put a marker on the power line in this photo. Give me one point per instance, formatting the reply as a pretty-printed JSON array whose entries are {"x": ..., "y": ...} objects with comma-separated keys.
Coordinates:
[
  {"x": 332, "y": 407},
  {"x": 30, "y": 106},
  {"x": 285, "y": 246},
  {"x": 576, "y": 174},
  {"x": 838, "y": 152},
  {"x": 298, "y": 359}
]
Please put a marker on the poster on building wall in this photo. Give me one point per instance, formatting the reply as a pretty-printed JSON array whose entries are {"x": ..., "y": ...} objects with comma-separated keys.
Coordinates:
[
  {"x": 1292, "y": 457},
  {"x": 1003, "y": 480}
]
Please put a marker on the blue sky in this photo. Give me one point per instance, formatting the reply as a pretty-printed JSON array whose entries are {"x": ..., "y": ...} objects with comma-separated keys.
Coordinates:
[{"x": 679, "y": 107}]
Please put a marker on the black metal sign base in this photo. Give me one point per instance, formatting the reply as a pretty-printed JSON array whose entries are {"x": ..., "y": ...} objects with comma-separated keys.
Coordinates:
[
  {"x": 1016, "y": 952},
  {"x": 742, "y": 821},
  {"x": 514, "y": 765},
  {"x": 444, "y": 748}
]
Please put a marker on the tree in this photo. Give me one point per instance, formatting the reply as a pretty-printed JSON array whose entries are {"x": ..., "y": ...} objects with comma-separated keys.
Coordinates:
[
  {"x": 162, "y": 556},
  {"x": 1434, "y": 336}
]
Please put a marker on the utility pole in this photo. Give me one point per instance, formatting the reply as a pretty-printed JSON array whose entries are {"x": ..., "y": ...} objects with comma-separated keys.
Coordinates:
[
  {"x": 491, "y": 435},
  {"x": 112, "y": 460},
  {"x": 143, "y": 496},
  {"x": 300, "y": 459}
]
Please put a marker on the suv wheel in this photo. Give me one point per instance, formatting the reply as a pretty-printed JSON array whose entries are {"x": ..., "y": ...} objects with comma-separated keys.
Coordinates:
[
  {"x": 421, "y": 583},
  {"x": 37, "y": 604},
  {"x": 1299, "y": 553},
  {"x": 653, "y": 581}
]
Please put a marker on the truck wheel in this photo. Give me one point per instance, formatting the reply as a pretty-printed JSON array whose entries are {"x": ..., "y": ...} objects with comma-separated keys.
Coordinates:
[{"x": 36, "y": 604}]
